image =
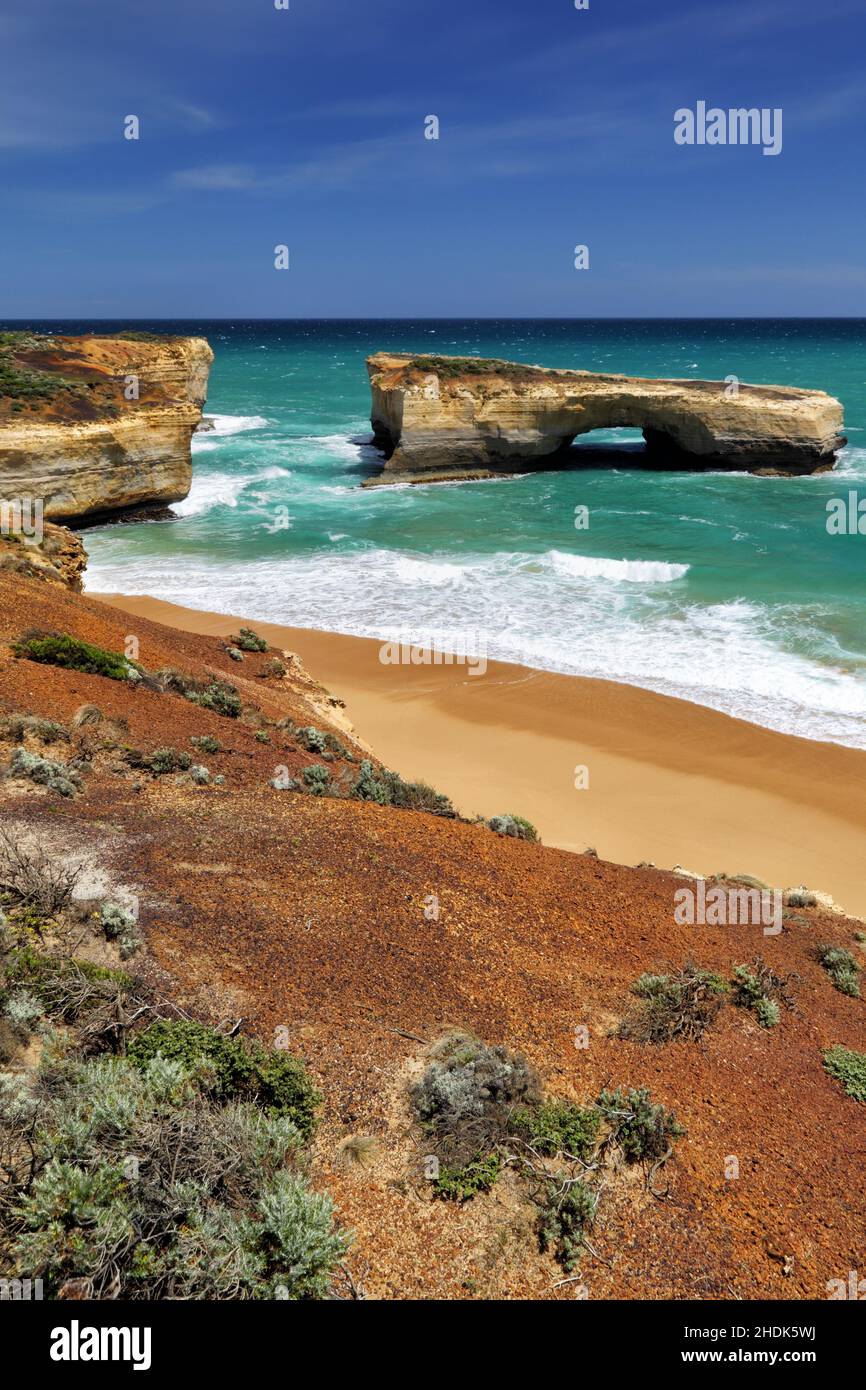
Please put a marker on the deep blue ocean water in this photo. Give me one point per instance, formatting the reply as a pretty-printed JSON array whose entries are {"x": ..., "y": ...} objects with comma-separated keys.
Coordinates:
[{"x": 725, "y": 589}]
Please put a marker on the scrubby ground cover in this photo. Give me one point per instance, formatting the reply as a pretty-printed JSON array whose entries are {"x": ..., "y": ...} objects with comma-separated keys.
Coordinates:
[
  {"x": 482, "y": 1110},
  {"x": 141, "y": 1156}
]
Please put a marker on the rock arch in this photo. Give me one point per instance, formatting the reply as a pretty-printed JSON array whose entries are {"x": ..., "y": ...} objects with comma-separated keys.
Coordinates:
[{"x": 447, "y": 417}]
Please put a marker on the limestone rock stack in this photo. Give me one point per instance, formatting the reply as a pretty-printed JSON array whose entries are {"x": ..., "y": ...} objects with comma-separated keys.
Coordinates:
[{"x": 446, "y": 417}]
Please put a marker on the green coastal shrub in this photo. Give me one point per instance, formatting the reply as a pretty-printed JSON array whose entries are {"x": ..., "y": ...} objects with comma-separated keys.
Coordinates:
[
  {"x": 59, "y": 649},
  {"x": 758, "y": 988},
  {"x": 452, "y": 367},
  {"x": 515, "y": 826},
  {"x": 119, "y": 925},
  {"x": 206, "y": 743},
  {"x": 848, "y": 1067},
  {"x": 747, "y": 987},
  {"x": 28, "y": 384},
  {"x": 462, "y": 1184},
  {"x": 16, "y": 727},
  {"x": 415, "y": 796},
  {"x": 312, "y": 739},
  {"x": 568, "y": 1210},
  {"x": 172, "y": 1172},
  {"x": 663, "y": 986},
  {"x": 369, "y": 786},
  {"x": 68, "y": 990},
  {"x": 165, "y": 760},
  {"x": 642, "y": 1129},
  {"x": 558, "y": 1127},
  {"x": 137, "y": 1184},
  {"x": 234, "y": 1068},
  {"x": 173, "y": 682},
  {"x": 49, "y": 731},
  {"x": 218, "y": 696},
  {"x": 677, "y": 1007},
  {"x": 800, "y": 897},
  {"x": 842, "y": 968},
  {"x": 57, "y": 777},
  {"x": 317, "y": 779},
  {"x": 249, "y": 641},
  {"x": 767, "y": 1012},
  {"x": 161, "y": 762},
  {"x": 482, "y": 1110},
  {"x": 467, "y": 1095},
  {"x": 23, "y": 1010},
  {"x": 213, "y": 694},
  {"x": 389, "y": 789}
]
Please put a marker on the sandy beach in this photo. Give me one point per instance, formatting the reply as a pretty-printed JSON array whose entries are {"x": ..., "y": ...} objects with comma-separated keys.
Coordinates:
[{"x": 668, "y": 782}]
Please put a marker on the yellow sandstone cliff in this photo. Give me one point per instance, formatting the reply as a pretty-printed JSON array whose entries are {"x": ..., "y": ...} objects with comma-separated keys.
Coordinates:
[
  {"x": 450, "y": 417},
  {"x": 95, "y": 425}
]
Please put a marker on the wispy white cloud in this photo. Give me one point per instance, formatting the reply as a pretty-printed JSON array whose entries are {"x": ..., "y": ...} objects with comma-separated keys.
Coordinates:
[
  {"x": 194, "y": 117},
  {"x": 362, "y": 108},
  {"x": 83, "y": 206},
  {"x": 217, "y": 177},
  {"x": 52, "y": 122},
  {"x": 841, "y": 103},
  {"x": 710, "y": 30},
  {"x": 516, "y": 147}
]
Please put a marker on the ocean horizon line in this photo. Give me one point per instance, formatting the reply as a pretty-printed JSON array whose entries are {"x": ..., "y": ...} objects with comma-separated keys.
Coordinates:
[{"x": 439, "y": 318}]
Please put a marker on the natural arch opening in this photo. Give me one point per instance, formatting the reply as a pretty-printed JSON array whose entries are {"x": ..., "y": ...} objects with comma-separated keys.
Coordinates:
[{"x": 608, "y": 446}]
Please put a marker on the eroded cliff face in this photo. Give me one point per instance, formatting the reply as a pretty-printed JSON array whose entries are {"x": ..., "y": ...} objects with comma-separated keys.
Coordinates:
[
  {"x": 447, "y": 417},
  {"x": 92, "y": 426}
]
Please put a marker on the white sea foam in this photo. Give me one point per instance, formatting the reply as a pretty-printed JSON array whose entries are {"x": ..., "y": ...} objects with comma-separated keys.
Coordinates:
[
  {"x": 210, "y": 490},
  {"x": 340, "y": 444},
  {"x": 223, "y": 489},
  {"x": 353, "y": 447},
  {"x": 274, "y": 470},
  {"x": 736, "y": 657},
  {"x": 622, "y": 571},
  {"x": 427, "y": 572},
  {"x": 851, "y": 465},
  {"x": 232, "y": 424}
]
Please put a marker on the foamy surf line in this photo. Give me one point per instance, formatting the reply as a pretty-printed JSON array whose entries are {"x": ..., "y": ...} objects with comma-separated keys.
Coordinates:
[
  {"x": 437, "y": 572},
  {"x": 620, "y": 571},
  {"x": 211, "y": 490},
  {"x": 630, "y": 627},
  {"x": 221, "y": 426}
]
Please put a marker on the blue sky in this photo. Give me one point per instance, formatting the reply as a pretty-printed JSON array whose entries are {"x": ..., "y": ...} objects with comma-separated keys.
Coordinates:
[{"x": 306, "y": 127}]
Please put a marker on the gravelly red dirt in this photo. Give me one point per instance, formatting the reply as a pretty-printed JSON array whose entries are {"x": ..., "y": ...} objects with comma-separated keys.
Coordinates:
[{"x": 308, "y": 914}]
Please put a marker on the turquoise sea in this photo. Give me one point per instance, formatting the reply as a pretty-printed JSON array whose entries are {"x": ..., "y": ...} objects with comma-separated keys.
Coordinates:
[{"x": 725, "y": 589}]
